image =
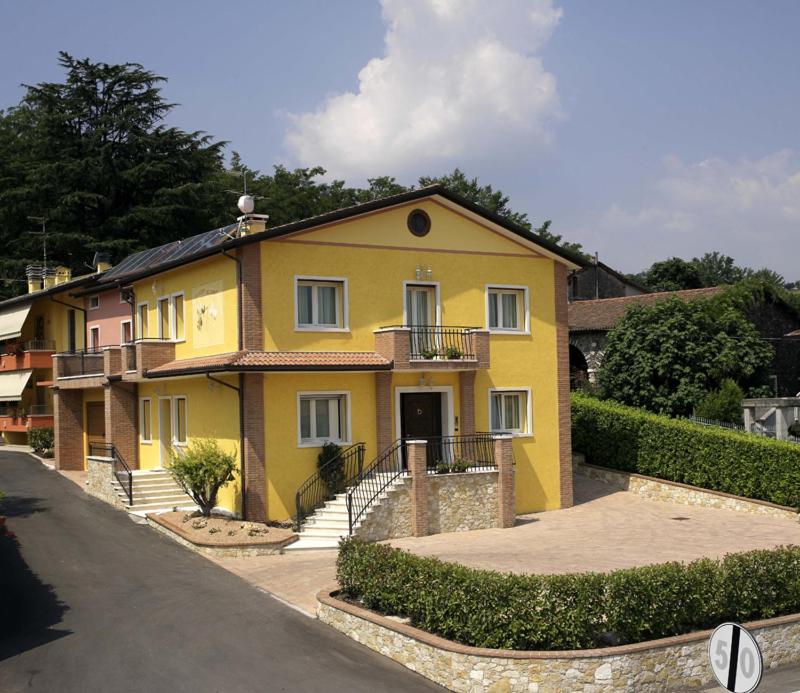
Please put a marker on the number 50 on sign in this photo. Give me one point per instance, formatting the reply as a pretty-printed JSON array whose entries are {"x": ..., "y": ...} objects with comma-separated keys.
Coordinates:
[{"x": 735, "y": 658}]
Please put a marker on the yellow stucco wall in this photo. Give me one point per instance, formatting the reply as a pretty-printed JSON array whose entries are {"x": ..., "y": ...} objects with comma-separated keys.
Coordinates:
[
  {"x": 376, "y": 255},
  {"x": 55, "y": 321},
  {"x": 212, "y": 411},
  {"x": 210, "y": 305}
]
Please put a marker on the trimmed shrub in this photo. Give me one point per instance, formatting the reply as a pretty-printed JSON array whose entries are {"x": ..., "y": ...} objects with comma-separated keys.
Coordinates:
[
  {"x": 332, "y": 473},
  {"x": 201, "y": 470},
  {"x": 632, "y": 440},
  {"x": 484, "y": 608},
  {"x": 41, "y": 439},
  {"x": 724, "y": 404}
]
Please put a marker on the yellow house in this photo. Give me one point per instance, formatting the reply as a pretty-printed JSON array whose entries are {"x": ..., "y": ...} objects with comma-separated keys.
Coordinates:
[{"x": 420, "y": 316}]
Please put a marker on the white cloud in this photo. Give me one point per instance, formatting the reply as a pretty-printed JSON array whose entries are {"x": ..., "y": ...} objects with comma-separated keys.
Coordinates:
[
  {"x": 460, "y": 81},
  {"x": 749, "y": 209}
]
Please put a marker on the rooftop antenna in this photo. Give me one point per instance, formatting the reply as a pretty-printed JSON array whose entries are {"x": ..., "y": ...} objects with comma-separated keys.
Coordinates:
[{"x": 43, "y": 234}]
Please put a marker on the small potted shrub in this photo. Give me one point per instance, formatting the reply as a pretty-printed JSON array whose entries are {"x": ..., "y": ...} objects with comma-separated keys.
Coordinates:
[
  {"x": 442, "y": 468},
  {"x": 430, "y": 353},
  {"x": 453, "y": 353},
  {"x": 459, "y": 466}
]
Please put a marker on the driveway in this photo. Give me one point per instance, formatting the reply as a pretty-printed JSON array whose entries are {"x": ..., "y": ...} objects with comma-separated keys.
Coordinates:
[{"x": 110, "y": 605}]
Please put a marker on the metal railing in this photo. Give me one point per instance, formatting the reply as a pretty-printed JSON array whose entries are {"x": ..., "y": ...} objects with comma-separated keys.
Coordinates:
[
  {"x": 39, "y": 345},
  {"x": 460, "y": 453},
  {"x": 330, "y": 479},
  {"x": 40, "y": 410},
  {"x": 372, "y": 481},
  {"x": 119, "y": 467},
  {"x": 713, "y": 422},
  {"x": 758, "y": 428},
  {"x": 83, "y": 362},
  {"x": 442, "y": 343}
]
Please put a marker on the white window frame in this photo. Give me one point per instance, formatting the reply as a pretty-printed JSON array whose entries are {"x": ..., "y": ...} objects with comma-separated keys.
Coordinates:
[
  {"x": 437, "y": 311},
  {"x": 139, "y": 325},
  {"x": 525, "y": 327},
  {"x": 343, "y": 297},
  {"x": 95, "y": 297},
  {"x": 142, "y": 439},
  {"x": 174, "y": 413},
  {"x": 324, "y": 394},
  {"x": 173, "y": 317},
  {"x": 165, "y": 300},
  {"x": 94, "y": 329},
  {"x": 122, "y": 324},
  {"x": 527, "y": 413}
]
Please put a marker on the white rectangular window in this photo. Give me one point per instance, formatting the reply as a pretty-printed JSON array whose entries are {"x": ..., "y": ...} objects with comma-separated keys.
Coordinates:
[
  {"x": 507, "y": 308},
  {"x": 142, "y": 329},
  {"x": 321, "y": 303},
  {"x": 145, "y": 421},
  {"x": 322, "y": 417},
  {"x": 94, "y": 302},
  {"x": 94, "y": 338},
  {"x": 162, "y": 315},
  {"x": 179, "y": 435},
  {"x": 510, "y": 411},
  {"x": 178, "y": 329},
  {"x": 125, "y": 333}
]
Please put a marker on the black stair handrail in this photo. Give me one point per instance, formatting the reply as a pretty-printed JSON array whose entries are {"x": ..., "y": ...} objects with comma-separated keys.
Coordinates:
[
  {"x": 332, "y": 478},
  {"x": 119, "y": 467},
  {"x": 377, "y": 476}
]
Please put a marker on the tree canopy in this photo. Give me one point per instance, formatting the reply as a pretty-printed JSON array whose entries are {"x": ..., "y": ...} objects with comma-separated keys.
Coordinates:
[{"x": 666, "y": 356}]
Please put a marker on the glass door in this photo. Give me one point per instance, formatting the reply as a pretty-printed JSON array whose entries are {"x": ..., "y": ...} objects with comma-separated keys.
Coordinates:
[{"x": 421, "y": 318}]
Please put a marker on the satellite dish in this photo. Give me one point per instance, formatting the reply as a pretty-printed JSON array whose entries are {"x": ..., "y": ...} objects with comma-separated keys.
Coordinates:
[{"x": 246, "y": 204}]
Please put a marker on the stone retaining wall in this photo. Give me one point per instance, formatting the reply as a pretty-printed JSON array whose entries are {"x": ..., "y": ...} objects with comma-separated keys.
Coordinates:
[
  {"x": 455, "y": 503},
  {"x": 222, "y": 551},
  {"x": 677, "y": 663},
  {"x": 100, "y": 479},
  {"x": 681, "y": 494}
]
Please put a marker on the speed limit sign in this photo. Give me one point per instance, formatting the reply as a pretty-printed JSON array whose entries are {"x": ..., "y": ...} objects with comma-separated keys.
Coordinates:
[{"x": 735, "y": 658}]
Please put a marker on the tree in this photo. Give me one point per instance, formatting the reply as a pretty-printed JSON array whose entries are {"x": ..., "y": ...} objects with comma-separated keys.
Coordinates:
[
  {"x": 715, "y": 269},
  {"x": 93, "y": 155},
  {"x": 666, "y": 356},
  {"x": 202, "y": 470},
  {"x": 671, "y": 275},
  {"x": 723, "y": 404}
]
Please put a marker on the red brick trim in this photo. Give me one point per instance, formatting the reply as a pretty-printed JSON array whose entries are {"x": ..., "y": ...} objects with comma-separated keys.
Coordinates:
[
  {"x": 562, "y": 375},
  {"x": 417, "y": 461},
  {"x": 466, "y": 406},
  {"x": 68, "y": 425},
  {"x": 254, "y": 486},
  {"x": 383, "y": 410},
  {"x": 251, "y": 297}
]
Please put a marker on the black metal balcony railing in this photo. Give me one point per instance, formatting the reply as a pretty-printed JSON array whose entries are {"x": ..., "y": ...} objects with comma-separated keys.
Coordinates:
[
  {"x": 460, "y": 453},
  {"x": 329, "y": 480},
  {"x": 40, "y": 345},
  {"x": 84, "y": 362},
  {"x": 448, "y": 343},
  {"x": 119, "y": 467},
  {"x": 40, "y": 410}
]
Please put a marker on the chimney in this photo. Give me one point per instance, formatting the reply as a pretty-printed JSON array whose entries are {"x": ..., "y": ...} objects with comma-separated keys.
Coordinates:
[
  {"x": 252, "y": 223},
  {"x": 101, "y": 262},
  {"x": 62, "y": 275},
  {"x": 35, "y": 275}
]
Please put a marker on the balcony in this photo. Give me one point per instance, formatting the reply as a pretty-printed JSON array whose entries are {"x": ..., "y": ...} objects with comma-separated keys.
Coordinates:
[
  {"x": 19, "y": 419},
  {"x": 429, "y": 347},
  {"x": 20, "y": 356},
  {"x": 74, "y": 364},
  {"x": 145, "y": 353}
]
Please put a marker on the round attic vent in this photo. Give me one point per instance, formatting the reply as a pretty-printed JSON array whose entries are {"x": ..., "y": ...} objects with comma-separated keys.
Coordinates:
[{"x": 419, "y": 223}]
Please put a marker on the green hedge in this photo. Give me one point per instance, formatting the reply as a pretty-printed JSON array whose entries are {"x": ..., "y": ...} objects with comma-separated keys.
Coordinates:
[
  {"x": 41, "y": 439},
  {"x": 633, "y": 440},
  {"x": 483, "y": 608}
]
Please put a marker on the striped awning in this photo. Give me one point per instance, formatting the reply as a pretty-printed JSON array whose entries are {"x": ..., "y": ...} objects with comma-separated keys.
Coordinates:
[
  {"x": 11, "y": 321},
  {"x": 12, "y": 385}
]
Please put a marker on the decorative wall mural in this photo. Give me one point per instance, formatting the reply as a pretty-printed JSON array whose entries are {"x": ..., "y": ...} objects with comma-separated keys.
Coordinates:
[{"x": 208, "y": 314}]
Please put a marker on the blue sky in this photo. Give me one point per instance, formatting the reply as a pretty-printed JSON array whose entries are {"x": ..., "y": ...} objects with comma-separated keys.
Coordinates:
[{"x": 643, "y": 130}]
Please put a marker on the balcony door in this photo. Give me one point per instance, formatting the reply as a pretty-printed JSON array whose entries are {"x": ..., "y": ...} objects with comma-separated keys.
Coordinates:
[
  {"x": 420, "y": 314},
  {"x": 95, "y": 423},
  {"x": 165, "y": 429}
]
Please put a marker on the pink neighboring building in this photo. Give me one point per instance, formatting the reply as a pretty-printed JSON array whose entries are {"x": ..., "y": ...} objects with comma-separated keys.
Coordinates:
[{"x": 108, "y": 319}]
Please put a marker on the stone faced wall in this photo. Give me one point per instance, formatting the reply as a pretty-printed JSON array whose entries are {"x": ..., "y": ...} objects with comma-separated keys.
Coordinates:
[
  {"x": 462, "y": 502},
  {"x": 678, "y": 663},
  {"x": 100, "y": 481},
  {"x": 391, "y": 518}
]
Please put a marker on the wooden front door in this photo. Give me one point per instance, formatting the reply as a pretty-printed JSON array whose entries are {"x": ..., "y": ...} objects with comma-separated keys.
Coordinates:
[
  {"x": 95, "y": 423},
  {"x": 421, "y": 419}
]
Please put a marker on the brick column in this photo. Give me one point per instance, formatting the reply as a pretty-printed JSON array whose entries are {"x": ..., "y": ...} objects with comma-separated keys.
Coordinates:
[
  {"x": 466, "y": 406},
  {"x": 112, "y": 361},
  {"x": 383, "y": 409},
  {"x": 254, "y": 488},
  {"x": 506, "y": 491},
  {"x": 562, "y": 376},
  {"x": 251, "y": 297},
  {"x": 68, "y": 425},
  {"x": 121, "y": 420},
  {"x": 417, "y": 461}
]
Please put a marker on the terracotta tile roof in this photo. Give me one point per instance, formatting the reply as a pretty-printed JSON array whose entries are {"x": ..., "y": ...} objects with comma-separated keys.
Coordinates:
[
  {"x": 275, "y": 361},
  {"x": 604, "y": 313}
]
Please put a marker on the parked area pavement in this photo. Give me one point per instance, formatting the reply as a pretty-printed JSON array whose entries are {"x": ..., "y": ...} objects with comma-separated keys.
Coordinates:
[
  {"x": 109, "y": 605},
  {"x": 607, "y": 529}
]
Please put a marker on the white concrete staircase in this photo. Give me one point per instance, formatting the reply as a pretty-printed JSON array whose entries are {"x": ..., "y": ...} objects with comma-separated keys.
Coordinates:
[
  {"x": 154, "y": 491},
  {"x": 327, "y": 525}
]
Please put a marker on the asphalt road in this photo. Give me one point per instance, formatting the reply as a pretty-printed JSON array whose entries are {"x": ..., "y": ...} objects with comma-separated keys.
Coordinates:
[{"x": 108, "y": 605}]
